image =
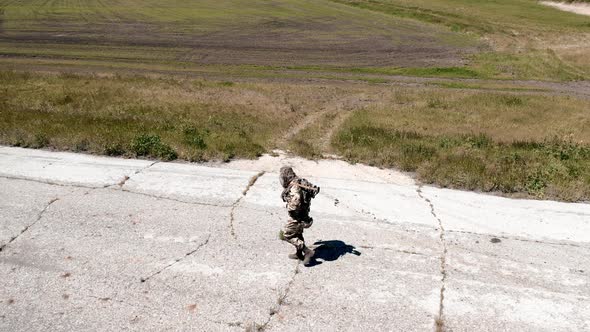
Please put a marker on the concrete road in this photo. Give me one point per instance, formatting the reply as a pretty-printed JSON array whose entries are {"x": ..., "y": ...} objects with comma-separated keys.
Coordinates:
[{"x": 103, "y": 244}]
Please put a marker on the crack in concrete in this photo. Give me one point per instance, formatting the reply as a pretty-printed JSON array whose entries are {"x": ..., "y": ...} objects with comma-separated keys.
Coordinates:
[
  {"x": 176, "y": 260},
  {"x": 362, "y": 212},
  {"x": 126, "y": 177},
  {"x": 51, "y": 182},
  {"x": 439, "y": 320},
  {"x": 392, "y": 249},
  {"x": 120, "y": 183},
  {"x": 275, "y": 309},
  {"x": 110, "y": 187},
  {"x": 252, "y": 181},
  {"x": 169, "y": 198},
  {"x": 39, "y": 216}
]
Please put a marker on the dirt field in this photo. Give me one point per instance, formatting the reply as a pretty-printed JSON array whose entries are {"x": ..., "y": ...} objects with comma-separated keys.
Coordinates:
[{"x": 280, "y": 32}]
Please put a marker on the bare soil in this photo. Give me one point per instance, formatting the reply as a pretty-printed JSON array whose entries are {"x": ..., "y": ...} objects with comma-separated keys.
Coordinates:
[{"x": 271, "y": 42}]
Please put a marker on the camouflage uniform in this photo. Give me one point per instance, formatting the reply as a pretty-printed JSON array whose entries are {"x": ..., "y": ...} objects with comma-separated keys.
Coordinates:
[{"x": 297, "y": 194}]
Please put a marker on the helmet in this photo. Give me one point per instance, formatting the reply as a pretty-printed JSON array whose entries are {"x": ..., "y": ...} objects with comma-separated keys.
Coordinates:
[{"x": 286, "y": 175}]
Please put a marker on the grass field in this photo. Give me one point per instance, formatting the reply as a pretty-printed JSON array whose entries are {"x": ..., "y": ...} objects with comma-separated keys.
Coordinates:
[
  {"x": 429, "y": 86},
  {"x": 280, "y": 32},
  {"x": 477, "y": 140},
  {"x": 504, "y": 39},
  {"x": 526, "y": 39},
  {"x": 490, "y": 141}
]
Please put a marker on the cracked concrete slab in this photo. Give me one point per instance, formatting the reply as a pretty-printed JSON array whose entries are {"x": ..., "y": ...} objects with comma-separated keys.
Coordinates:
[
  {"x": 510, "y": 284},
  {"x": 95, "y": 244},
  {"x": 210, "y": 259},
  {"x": 66, "y": 168},
  {"x": 191, "y": 183},
  {"x": 381, "y": 202},
  {"x": 21, "y": 202},
  {"x": 370, "y": 275},
  {"x": 486, "y": 214}
]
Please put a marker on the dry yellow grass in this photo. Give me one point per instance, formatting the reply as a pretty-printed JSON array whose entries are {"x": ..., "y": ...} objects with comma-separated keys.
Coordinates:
[{"x": 492, "y": 141}]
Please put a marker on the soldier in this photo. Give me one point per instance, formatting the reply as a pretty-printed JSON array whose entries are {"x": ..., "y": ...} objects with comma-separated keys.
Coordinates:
[{"x": 297, "y": 193}]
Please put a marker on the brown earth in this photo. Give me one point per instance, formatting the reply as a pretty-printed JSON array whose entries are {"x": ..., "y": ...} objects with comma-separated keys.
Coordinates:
[{"x": 277, "y": 42}]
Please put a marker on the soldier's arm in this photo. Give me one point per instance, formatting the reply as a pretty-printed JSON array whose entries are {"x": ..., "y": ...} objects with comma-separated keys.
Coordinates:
[
  {"x": 294, "y": 198},
  {"x": 285, "y": 194}
]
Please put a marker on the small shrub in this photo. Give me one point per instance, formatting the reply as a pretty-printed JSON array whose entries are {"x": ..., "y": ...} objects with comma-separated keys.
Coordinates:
[
  {"x": 194, "y": 138},
  {"x": 480, "y": 141},
  {"x": 436, "y": 103},
  {"x": 64, "y": 100},
  {"x": 40, "y": 141},
  {"x": 152, "y": 146},
  {"x": 82, "y": 145},
  {"x": 113, "y": 149},
  {"x": 165, "y": 152},
  {"x": 512, "y": 100},
  {"x": 536, "y": 183},
  {"x": 144, "y": 144}
]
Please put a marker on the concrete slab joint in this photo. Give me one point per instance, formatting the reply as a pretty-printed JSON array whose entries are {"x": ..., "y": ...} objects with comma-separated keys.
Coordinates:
[
  {"x": 252, "y": 181},
  {"x": 27, "y": 227},
  {"x": 439, "y": 320},
  {"x": 176, "y": 261},
  {"x": 126, "y": 177},
  {"x": 281, "y": 300}
]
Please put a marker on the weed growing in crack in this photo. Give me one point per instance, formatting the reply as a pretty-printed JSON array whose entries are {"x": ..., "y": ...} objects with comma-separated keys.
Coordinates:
[
  {"x": 253, "y": 180},
  {"x": 439, "y": 324}
]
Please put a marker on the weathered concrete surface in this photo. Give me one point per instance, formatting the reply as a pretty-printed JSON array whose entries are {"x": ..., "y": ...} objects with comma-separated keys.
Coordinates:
[
  {"x": 67, "y": 168},
  {"x": 143, "y": 246}
]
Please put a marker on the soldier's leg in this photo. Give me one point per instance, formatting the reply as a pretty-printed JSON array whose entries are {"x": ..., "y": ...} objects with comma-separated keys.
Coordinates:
[
  {"x": 306, "y": 222},
  {"x": 293, "y": 233}
]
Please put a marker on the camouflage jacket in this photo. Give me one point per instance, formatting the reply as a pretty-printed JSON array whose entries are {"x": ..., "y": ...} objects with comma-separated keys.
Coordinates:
[{"x": 298, "y": 195}]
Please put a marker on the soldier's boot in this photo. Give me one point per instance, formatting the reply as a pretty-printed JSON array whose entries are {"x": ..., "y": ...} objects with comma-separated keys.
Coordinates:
[
  {"x": 308, "y": 255},
  {"x": 298, "y": 255}
]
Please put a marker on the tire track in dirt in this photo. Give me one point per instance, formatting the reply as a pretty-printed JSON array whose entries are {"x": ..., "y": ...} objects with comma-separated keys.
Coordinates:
[
  {"x": 341, "y": 108},
  {"x": 344, "y": 109}
]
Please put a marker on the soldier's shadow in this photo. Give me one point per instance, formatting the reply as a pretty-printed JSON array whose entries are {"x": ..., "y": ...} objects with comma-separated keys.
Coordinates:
[{"x": 331, "y": 250}]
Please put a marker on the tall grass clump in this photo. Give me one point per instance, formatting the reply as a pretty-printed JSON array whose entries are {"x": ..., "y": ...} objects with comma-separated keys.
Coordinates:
[
  {"x": 161, "y": 118},
  {"x": 553, "y": 167}
]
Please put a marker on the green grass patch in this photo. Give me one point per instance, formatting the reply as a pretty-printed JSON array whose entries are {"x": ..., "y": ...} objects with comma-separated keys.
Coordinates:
[
  {"x": 551, "y": 169},
  {"x": 134, "y": 116},
  {"x": 480, "y": 16},
  {"x": 540, "y": 65},
  {"x": 477, "y": 141},
  {"x": 523, "y": 42}
]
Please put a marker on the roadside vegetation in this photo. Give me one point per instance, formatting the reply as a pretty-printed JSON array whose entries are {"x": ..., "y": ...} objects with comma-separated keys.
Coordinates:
[
  {"x": 520, "y": 143},
  {"x": 532, "y": 145},
  {"x": 137, "y": 116}
]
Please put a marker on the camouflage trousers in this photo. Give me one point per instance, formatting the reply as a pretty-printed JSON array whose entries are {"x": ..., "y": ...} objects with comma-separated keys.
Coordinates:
[{"x": 293, "y": 231}]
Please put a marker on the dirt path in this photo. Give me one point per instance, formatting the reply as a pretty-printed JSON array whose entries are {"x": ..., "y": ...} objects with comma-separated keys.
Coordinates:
[
  {"x": 343, "y": 109},
  {"x": 337, "y": 109},
  {"x": 579, "y": 89}
]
